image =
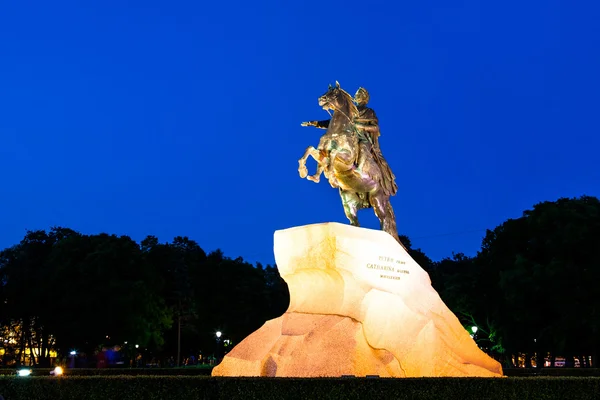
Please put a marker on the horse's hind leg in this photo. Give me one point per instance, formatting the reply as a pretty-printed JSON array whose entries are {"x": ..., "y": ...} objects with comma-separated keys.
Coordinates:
[{"x": 352, "y": 203}]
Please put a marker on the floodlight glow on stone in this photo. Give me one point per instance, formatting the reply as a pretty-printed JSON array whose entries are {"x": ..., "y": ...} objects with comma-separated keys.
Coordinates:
[{"x": 359, "y": 305}]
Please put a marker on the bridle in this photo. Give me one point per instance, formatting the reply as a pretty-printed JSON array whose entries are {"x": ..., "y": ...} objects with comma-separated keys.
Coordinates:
[{"x": 343, "y": 113}]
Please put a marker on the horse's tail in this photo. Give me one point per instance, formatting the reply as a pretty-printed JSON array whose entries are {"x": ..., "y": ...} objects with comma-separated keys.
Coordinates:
[
  {"x": 390, "y": 223},
  {"x": 388, "y": 179}
]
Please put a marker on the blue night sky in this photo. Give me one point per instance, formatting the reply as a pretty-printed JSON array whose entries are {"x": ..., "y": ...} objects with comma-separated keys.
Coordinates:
[{"x": 183, "y": 118}]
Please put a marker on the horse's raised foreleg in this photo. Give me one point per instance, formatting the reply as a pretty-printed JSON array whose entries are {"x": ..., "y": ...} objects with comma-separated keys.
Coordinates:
[
  {"x": 316, "y": 178},
  {"x": 340, "y": 161},
  {"x": 323, "y": 162},
  {"x": 302, "y": 170},
  {"x": 330, "y": 170},
  {"x": 319, "y": 157}
]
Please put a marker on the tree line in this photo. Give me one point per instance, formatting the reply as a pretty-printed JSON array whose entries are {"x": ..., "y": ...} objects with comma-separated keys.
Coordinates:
[
  {"x": 73, "y": 292},
  {"x": 532, "y": 288}
]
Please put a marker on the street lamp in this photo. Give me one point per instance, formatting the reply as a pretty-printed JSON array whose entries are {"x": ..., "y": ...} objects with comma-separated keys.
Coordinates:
[
  {"x": 217, "y": 352},
  {"x": 474, "y": 329},
  {"x": 73, "y": 353}
]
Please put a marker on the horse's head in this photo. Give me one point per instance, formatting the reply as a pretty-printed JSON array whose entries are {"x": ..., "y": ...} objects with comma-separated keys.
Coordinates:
[{"x": 337, "y": 98}]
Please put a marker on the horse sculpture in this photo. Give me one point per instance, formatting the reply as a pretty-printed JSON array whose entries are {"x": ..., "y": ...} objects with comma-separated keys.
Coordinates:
[{"x": 361, "y": 186}]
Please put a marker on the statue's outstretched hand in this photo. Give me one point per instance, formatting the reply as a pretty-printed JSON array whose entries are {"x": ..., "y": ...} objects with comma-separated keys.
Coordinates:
[{"x": 309, "y": 123}]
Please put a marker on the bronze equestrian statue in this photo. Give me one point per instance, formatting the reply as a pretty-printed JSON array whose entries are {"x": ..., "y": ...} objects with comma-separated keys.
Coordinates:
[{"x": 349, "y": 156}]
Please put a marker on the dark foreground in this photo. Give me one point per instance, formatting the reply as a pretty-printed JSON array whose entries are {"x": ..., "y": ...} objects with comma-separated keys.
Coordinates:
[{"x": 146, "y": 387}]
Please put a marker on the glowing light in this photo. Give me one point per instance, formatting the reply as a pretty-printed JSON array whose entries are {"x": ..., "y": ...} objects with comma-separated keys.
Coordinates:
[
  {"x": 73, "y": 352},
  {"x": 365, "y": 304},
  {"x": 474, "y": 329},
  {"x": 219, "y": 334},
  {"x": 137, "y": 346},
  {"x": 24, "y": 372},
  {"x": 58, "y": 371}
]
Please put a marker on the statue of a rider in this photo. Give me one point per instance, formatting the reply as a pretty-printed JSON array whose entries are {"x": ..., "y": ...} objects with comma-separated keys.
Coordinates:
[{"x": 367, "y": 127}]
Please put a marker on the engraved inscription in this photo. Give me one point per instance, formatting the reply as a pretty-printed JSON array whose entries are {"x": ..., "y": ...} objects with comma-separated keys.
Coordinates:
[{"x": 390, "y": 266}]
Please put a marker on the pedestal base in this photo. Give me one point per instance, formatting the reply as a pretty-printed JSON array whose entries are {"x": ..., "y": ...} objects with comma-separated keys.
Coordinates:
[{"x": 359, "y": 305}]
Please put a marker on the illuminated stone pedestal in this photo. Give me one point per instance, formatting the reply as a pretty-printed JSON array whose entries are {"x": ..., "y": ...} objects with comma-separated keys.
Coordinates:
[{"x": 359, "y": 305}]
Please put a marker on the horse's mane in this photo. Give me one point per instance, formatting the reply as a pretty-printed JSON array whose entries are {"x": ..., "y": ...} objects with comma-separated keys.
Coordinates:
[{"x": 353, "y": 109}]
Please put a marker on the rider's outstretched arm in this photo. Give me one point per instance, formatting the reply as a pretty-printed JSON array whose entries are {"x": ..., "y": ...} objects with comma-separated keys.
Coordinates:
[
  {"x": 322, "y": 124},
  {"x": 317, "y": 124}
]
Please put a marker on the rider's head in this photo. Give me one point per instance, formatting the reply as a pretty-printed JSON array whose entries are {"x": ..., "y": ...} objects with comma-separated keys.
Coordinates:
[{"x": 361, "y": 97}]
